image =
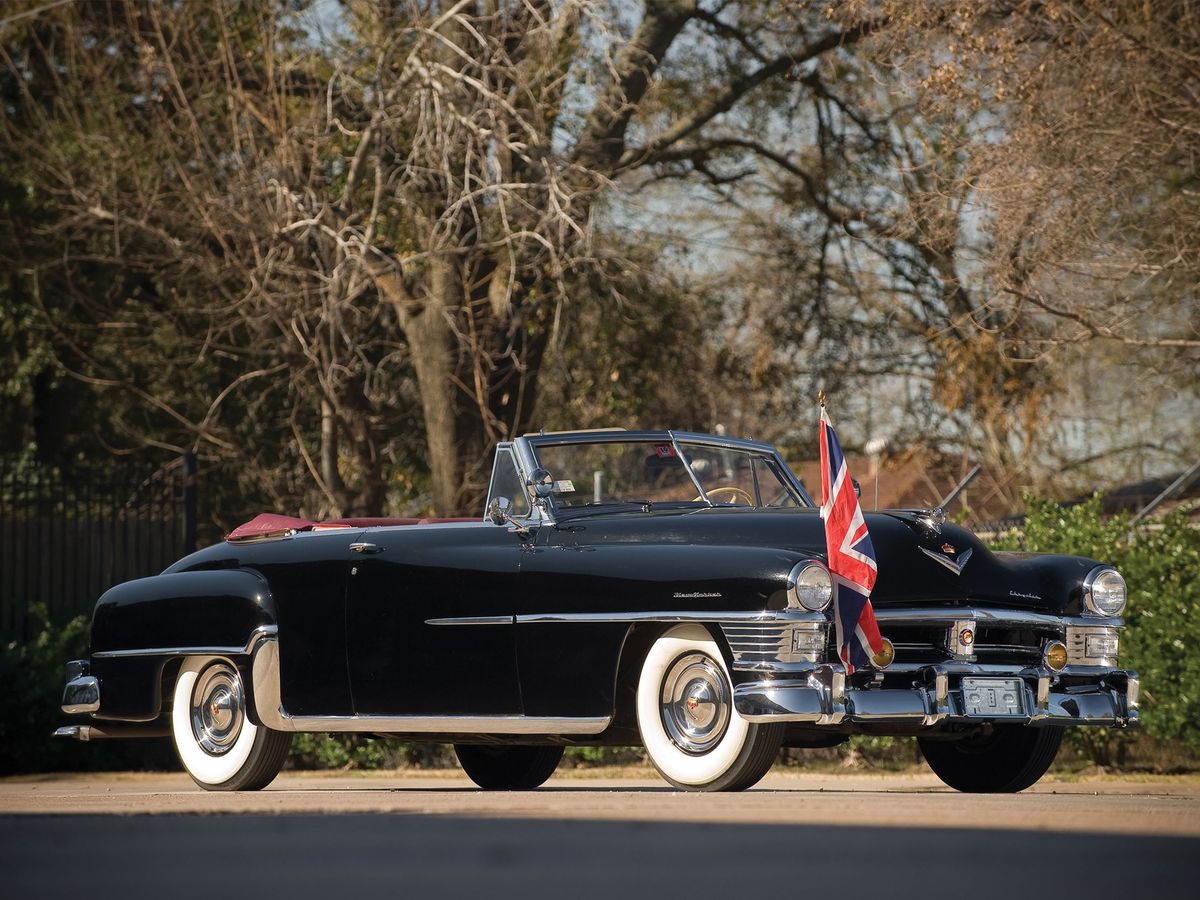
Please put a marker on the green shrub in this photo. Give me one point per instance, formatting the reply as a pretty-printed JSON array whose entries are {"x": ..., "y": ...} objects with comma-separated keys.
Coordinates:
[
  {"x": 355, "y": 751},
  {"x": 32, "y": 676},
  {"x": 1161, "y": 564}
]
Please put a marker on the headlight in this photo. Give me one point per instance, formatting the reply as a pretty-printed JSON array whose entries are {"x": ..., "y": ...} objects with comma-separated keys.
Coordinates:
[
  {"x": 1104, "y": 591},
  {"x": 810, "y": 586}
]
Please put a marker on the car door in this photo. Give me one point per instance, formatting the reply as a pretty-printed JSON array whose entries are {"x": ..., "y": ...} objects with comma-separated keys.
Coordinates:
[{"x": 429, "y": 620}]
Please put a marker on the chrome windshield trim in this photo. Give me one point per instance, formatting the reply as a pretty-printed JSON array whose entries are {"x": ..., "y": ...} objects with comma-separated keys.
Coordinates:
[
  {"x": 687, "y": 465},
  {"x": 256, "y": 635},
  {"x": 271, "y": 713},
  {"x": 722, "y": 616},
  {"x": 950, "y": 614},
  {"x": 472, "y": 620}
]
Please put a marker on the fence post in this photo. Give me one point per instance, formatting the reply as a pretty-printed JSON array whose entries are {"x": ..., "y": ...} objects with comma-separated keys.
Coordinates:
[{"x": 189, "y": 502}]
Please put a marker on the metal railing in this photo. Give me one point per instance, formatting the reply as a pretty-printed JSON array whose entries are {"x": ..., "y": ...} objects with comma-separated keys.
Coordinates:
[{"x": 63, "y": 542}]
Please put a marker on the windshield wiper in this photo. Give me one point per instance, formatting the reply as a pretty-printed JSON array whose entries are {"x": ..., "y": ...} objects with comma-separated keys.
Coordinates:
[{"x": 592, "y": 507}]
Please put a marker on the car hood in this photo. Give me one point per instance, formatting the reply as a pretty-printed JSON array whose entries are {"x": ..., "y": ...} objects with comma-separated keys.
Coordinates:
[{"x": 918, "y": 564}]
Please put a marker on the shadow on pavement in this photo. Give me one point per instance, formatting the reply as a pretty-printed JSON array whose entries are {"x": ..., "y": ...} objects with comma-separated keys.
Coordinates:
[{"x": 298, "y": 857}]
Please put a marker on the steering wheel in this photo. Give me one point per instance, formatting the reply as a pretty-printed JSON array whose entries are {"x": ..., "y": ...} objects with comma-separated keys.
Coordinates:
[{"x": 734, "y": 493}]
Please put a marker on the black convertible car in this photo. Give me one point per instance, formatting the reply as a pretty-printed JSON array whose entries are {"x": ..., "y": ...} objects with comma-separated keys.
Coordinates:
[{"x": 623, "y": 588}]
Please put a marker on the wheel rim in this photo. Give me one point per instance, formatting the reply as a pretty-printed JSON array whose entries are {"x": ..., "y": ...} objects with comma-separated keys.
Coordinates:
[
  {"x": 217, "y": 709},
  {"x": 694, "y": 703}
]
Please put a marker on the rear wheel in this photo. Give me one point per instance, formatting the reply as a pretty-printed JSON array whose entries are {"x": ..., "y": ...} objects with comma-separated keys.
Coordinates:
[
  {"x": 221, "y": 749},
  {"x": 508, "y": 768},
  {"x": 691, "y": 731},
  {"x": 1008, "y": 759}
]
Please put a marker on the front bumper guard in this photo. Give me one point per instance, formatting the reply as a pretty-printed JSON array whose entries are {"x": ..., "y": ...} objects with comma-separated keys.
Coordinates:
[
  {"x": 822, "y": 698},
  {"x": 82, "y": 691}
]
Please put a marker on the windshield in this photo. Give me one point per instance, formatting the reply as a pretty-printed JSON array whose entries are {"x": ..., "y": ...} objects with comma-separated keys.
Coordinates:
[{"x": 653, "y": 472}]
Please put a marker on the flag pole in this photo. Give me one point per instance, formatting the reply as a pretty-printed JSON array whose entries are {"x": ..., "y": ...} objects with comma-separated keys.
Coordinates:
[{"x": 821, "y": 398}]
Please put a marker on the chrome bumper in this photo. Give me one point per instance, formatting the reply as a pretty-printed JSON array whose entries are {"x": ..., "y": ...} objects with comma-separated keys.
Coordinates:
[
  {"x": 822, "y": 698},
  {"x": 82, "y": 693}
]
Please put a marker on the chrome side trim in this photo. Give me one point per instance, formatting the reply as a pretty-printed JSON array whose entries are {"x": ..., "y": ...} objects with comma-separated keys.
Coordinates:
[
  {"x": 269, "y": 706},
  {"x": 255, "y": 636},
  {"x": 950, "y": 614},
  {"x": 472, "y": 620},
  {"x": 730, "y": 616}
]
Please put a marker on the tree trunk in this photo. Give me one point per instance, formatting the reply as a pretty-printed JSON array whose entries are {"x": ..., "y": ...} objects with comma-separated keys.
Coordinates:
[{"x": 431, "y": 344}]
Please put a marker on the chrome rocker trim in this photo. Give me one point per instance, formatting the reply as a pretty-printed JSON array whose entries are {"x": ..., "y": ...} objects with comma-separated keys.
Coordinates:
[
  {"x": 269, "y": 706},
  {"x": 823, "y": 699}
]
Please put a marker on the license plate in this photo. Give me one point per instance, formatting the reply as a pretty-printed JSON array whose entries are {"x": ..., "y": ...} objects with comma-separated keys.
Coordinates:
[{"x": 993, "y": 696}]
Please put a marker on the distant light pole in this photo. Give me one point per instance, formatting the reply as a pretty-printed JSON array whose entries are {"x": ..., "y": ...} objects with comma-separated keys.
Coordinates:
[{"x": 875, "y": 447}]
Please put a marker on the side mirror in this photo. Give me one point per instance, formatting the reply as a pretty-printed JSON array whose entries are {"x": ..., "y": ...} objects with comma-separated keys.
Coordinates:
[
  {"x": 541, "y": 482},
  {"x": 499, "y": 510},
  {"x": 857, "y": 487}
]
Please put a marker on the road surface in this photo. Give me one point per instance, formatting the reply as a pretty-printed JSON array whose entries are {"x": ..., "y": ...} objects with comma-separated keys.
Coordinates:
[{"x": 435, "y": 836}]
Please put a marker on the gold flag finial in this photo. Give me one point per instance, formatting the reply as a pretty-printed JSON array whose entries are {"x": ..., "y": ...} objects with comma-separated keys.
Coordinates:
[{"x": 821, "y": 398}]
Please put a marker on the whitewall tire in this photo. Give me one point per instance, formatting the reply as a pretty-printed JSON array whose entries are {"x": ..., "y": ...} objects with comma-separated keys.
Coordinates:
[
  {"x": 689, "y": 727},
  {"x": 221, "y": 749}
]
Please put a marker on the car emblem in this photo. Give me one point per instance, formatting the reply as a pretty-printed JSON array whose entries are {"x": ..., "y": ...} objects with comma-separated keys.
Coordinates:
[
  {"x": 948, "y": 548},
  {"x": 692, "y": 702},
  {"x": 954, "y": 564}
]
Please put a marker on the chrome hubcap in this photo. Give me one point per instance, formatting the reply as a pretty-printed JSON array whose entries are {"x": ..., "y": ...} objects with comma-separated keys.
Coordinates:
[
  {"x": 694, "y": 703},
  {"x": 218, "y": 708}
]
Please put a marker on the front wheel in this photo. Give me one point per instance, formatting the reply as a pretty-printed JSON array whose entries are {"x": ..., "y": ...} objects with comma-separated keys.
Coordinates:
[
  {"x": 508, "y": 768},
  {"x": 1008, "y": 759},
  {"x": 692, "y": 733},
  {"x": 217, "y": 743}
]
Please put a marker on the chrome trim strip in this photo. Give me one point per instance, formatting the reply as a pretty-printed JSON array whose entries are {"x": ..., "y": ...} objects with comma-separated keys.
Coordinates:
[
  {"x": 730, "y": 616},
  {"x": 269, "y": 706},
  {"x": 687, "y": 465},
  {"x": 472, "y": 620},
  {"x": 950, "y": 614},
  {"x": 258, "y": 633}
]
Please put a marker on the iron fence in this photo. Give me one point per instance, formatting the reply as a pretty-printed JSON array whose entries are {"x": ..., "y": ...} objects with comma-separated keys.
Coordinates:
[{"x": 63, "y": 542}]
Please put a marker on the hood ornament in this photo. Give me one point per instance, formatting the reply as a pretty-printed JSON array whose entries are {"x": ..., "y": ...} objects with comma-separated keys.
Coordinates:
[{"x": 954, "y": 563}]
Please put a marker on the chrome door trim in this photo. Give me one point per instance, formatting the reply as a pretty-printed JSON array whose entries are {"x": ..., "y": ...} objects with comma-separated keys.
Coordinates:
[
  {"x": 472, "y": 620},
  {"x": 731, "y": 616},
  {"x": 257, "y": 634},
  {"x": 269, "y": 707}
]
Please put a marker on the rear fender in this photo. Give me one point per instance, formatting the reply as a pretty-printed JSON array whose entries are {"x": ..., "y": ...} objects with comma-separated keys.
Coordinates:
[{"x": 142, "y": 629}]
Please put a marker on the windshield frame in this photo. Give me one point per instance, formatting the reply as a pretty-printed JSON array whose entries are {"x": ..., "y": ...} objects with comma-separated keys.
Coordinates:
[{"x": 527, "y": 454}]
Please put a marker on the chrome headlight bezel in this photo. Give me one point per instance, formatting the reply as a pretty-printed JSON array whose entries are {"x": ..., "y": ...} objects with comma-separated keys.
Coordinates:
[
  {"x": 809, "y": 586},
  {"x": 1099, "y": 591}
]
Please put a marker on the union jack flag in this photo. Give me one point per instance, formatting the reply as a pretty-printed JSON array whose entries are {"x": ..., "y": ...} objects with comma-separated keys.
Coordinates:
[{"x": 851, "y": 555}]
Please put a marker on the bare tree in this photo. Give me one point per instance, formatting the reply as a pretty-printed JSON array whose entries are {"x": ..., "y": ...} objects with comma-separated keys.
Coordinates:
[{"x": 391, "y": 216}]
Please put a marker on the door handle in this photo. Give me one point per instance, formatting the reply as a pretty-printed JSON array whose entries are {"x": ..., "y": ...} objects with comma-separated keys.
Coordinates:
[{"x": 366, "y": 548}]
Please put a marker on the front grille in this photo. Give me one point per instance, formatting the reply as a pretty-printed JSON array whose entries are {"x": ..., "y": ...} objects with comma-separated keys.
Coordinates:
[
  {"x": 773, "y": 646},
  {"x": 923, "y": 644},
  {"x": 1092, "y": 646}
]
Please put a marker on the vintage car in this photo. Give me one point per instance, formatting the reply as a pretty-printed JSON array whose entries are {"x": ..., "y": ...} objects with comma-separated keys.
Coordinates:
[{"x": 649, "y": 588}]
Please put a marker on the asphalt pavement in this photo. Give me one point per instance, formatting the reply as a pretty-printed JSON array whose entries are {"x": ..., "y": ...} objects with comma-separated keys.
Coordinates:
[{"x": 158, "y": 837}]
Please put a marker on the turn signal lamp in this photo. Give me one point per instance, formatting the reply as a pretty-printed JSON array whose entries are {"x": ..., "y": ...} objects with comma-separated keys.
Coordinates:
[
  {"x": 884, "y": 657},
  {"x": 1055, "y": 655}
]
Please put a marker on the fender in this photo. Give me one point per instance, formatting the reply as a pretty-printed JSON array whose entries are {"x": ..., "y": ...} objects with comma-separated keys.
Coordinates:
[
  {"x": 182, "y": 612},
  {"x": 141, "y": 626}
]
